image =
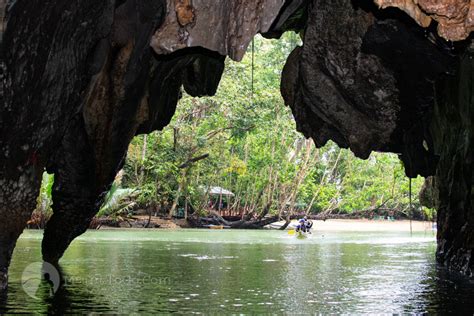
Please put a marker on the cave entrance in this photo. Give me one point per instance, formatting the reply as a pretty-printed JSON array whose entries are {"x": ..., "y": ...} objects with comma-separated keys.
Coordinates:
[{"x": 244, "y": 140}]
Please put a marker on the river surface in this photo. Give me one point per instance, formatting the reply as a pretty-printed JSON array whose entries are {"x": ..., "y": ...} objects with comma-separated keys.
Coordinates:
[{"x": 239, "y": 271}]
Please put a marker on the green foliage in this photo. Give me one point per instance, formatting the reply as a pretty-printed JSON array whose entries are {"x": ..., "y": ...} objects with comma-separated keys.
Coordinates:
[
  {"x": 429, "y": 213},
  {"x": 44, "y": 201},
  {"x": 117, "y": 202}
]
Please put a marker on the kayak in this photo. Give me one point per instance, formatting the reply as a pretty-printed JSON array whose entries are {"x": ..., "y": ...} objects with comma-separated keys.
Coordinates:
[{"x": 299, "y": 234}]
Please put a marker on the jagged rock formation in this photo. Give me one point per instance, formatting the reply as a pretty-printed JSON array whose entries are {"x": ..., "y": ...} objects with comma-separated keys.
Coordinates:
[
  {"x": 455, "y": 18},
  {"x": 42, "y": 82},
  {"x": 232, "y": 25},
  {"x": 82, "y": 78},
  {"x": 367, "y": 88},
  {"x": 428, "y": 194}
]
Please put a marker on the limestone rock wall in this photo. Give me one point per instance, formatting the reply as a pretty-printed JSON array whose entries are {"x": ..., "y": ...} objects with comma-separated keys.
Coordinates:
[
  {"x": 453, "y": 130},
  {"x": 226, "y": 27},
  {"x": 366, "y": 83},
  {"x": 44, "y": 62},
  {"x": 455, "y": 18}
]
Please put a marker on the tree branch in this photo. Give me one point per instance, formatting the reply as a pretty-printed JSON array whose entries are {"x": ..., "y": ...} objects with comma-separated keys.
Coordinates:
[{"x": 193, "y": 160}]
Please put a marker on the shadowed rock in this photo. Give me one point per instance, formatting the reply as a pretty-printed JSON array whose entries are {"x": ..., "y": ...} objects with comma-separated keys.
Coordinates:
[
  {"x": 453, "y": 132},
  {"x": 44, "y": 61}
]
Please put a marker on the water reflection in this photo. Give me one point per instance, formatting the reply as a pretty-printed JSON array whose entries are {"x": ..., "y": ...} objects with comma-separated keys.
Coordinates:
[
  {"x": 74, "y": 297},
  {"x": 243, "y": 272},
  {"x": 444, "y": 293},
  {"x": 3, "y": 302}
]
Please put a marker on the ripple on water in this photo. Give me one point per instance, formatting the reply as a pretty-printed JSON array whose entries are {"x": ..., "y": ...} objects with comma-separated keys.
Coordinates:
[
  {"x": 202, "y": 272},
  {"x": 206, "y": 257}
]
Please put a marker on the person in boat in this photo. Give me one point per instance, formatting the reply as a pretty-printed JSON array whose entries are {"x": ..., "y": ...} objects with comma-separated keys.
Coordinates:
[
  {"x": 304, "y": 225},
  {"x": 308, "y": 224},
  {"x": 301, "y": 227}
]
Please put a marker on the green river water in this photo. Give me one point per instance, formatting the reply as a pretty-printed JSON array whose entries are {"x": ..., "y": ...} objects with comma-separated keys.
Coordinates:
[{"x": 241, "y": 272}]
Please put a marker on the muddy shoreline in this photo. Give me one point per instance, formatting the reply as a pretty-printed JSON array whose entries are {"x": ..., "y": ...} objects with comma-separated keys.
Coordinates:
[{"x": 319, "y": 225}]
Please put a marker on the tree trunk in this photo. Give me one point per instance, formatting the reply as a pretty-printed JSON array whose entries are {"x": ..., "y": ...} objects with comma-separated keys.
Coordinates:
[
  {"x": 244, "y": 223},
  {"x": 142, "y": 167},
  {"x": 287, "y": 222},
  {"x": 176, "y": 199},
  {"x": 322, "y": 182},
  {"x": 186, "y": 208}
]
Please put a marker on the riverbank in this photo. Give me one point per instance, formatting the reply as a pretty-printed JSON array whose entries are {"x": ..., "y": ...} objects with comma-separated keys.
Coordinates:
[
  {"x": 361, "y": 225},
  {"x": 139, "y": 221},
  {"x": 355, "y": 225}
]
